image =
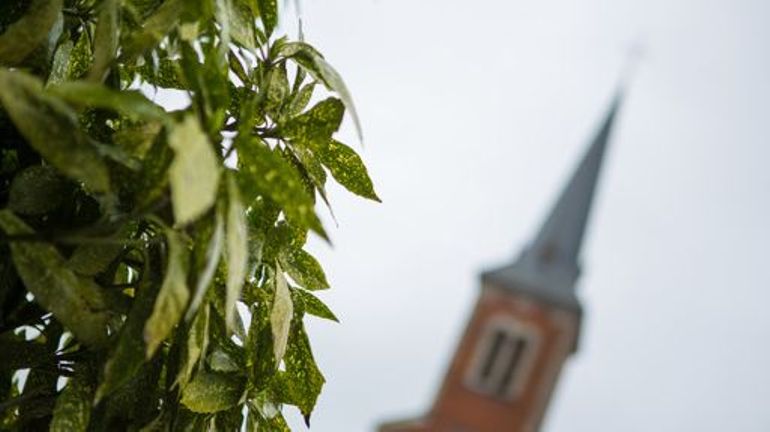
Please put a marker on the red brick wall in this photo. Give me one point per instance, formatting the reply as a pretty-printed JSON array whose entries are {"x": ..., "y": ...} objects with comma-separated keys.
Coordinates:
[{"x": 460, "y": 409}]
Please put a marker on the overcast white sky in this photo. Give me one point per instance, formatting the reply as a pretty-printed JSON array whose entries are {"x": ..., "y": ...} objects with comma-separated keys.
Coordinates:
[{"x": 474, "y": 113}]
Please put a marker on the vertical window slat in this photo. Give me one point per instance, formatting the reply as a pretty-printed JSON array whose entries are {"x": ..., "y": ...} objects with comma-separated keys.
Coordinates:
[
  {"x": 499, "y": 338},
  {"x": 513, "y": 363},
  {"x": 500, "y": 361}
]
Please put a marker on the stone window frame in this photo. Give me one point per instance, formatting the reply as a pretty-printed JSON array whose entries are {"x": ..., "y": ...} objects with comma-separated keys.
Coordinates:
[{"x": 510, "y": 328}]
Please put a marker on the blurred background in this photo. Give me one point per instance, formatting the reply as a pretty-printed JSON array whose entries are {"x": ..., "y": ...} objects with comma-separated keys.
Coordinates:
[{"x": 474, "y": 114}]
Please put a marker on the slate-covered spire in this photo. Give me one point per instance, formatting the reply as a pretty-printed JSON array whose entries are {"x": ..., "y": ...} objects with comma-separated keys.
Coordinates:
[
  {"x": 550, "y": 263},
  {"x": 559, "y": 239}
]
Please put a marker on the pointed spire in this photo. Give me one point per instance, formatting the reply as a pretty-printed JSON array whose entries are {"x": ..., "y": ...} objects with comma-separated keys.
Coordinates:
[
  {"x": 551, "y": 261},
  {"x": 559, "y": 239}
]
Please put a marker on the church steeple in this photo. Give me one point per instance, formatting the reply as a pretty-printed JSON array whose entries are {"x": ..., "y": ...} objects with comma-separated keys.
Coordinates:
[
  {"x": 560, "y": 237},
  {"x": 526, "y": 322},
  {"x": 551, "y": 262}
]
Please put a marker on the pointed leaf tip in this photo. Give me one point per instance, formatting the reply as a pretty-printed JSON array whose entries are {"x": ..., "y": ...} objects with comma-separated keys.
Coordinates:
[{"x": 346, "y": 166}]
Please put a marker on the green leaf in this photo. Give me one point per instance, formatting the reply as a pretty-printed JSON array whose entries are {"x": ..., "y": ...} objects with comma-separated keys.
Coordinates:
[
  {"x": 166, "y": 74},
  {"x": 92, "y": 259},
  {"x": 258, "y": 422},
  {"x": 301, "y": 99},
  {"x": 61, "y": 60},
  {"x": 213, "y": 255},
  {"x": 302, "y": 381},
  {"x": 309, "y": 164},
  {"x": 315, "y": 128},
  {"x": 128, "y": 355},
  {"x": 241, "y": 24},
  {"x": 304, "y": 269},
  {"x": 211, "y": 392},
  {"x": 194, "y": 172},
  {"x": 230, "y": 420},
  {"x": 196, "y": 346},
  {"x": 259, "y": 343},
  {"x": 78, "y": 303},
  {"x": 130, "y": 103},
  {"x": 27, "y": 33},
  {"x": 73, "y": 406},
  {"x": 13, "y": 10},
  {"x": 262, "y": 171},
  {"x": 36, "y": 190},
  {"x": 209, "y": 83},
  {"x": 312, "y": 305},
  {"x": 80, "y": 58},
  {"x": 173, "y": 295},
  {"x": 283, "y": 236},
  {"x": 238, "y": 69},
  {"x": 137, "y": 138},
  {"x": 347, "y": 168},
  {"x": 106, "y": 37},
  {"x": 268, "y": 11},
  {"x": 280, "y": 315},
  {"x": 154, "y": 29},
  {"x": 61, "y": 141},
  {"x": 312, "y": 166},
  {"x": 220, "y": 361},
  {"x": 237, "y": 249},
  {"x": 312, "y": 61},
  {"x": 104, "y": 176},
  {"x": 224, "y": 16},
  {"x": 153, "y": 179},
  {"x": 277, "y": 88}
]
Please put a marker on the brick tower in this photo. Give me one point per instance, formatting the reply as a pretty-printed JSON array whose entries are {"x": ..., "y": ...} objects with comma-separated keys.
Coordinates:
[{"x": 525, "y": 324}]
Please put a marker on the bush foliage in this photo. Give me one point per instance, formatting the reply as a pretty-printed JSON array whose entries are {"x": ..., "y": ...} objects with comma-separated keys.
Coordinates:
[{"x": 130, "y": 234}]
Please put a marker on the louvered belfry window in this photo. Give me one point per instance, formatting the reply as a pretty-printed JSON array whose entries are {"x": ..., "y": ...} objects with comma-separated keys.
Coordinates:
[{"x": 501, "y": 360}]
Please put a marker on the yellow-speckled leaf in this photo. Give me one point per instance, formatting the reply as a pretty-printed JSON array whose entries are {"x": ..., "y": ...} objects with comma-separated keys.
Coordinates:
[
  {"x": 268, "y": 11},
  {"x": 304, "y": 269},
  {"x": 80, "y": 58},
  {"x": 106, "y": 39},
  {"x": 197, "y": 343},
  {"x": 312, "y": 304},
  {"x": 131, "y": 103},
  {"x": 213, "y": 255},
  {"x": 73, "y": 406},
  {"x": 277, "y": 88},
  {"x": 128, "y": 354},
  {"x": 154, "y": 28},
  {"x": 77, "y": 302},
  {"x": 173, "y": 295},
  {"x": 312, "y": 61},
  {"x": 61, "y": 60},
  {"x": 302, "y": 381},
  {"x": 241, "y": 21},
  {"x": 52, "y": 129},
  {"x": 280, "y": 315},
  {"x": 211, "y": 392},
  {"x": 301, "y": 99},
  {"x": 263, "y": 171},
  {"x": 36, "y": 190},
  {"x": 194, "y": 172},
  {"x": 314, "y": 128},
  {"x": 237, "y": 249},
  {"x": 347, "y": 168}
]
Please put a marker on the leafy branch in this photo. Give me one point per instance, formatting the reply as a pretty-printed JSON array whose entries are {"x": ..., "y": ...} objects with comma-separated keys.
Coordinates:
[{"x": 133, "y": 237}]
